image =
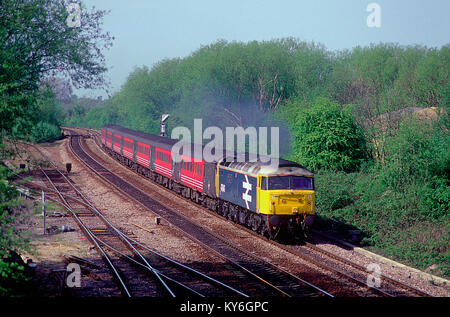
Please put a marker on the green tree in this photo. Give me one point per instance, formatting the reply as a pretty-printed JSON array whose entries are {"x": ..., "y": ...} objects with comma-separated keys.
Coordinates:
[
  {"x": 36, "y": 41},
  {"x": 327, "y": 137}
]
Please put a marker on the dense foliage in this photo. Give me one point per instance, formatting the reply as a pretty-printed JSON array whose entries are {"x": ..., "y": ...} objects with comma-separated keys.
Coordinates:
[
  {"x": 326, "y": 136},
  {"x": 36, "y": 43}
]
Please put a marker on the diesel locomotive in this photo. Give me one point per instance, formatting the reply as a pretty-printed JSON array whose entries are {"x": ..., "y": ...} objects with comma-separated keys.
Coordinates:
[{"x": 273, "y": 201}]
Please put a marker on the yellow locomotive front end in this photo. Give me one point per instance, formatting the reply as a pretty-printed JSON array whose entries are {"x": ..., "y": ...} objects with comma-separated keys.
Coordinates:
[{"x": 288, "y": 201}]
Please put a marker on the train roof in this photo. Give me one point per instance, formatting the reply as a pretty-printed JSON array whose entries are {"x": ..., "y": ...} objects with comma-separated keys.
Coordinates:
[
  {"x": 263, "y": 164},
  {"x": 241, "y": 162},
  {"x": 142, "y": 136}
]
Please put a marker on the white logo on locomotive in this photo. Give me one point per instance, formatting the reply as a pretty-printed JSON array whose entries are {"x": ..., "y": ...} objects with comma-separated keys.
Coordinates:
[{"x": 248, "y": 187}]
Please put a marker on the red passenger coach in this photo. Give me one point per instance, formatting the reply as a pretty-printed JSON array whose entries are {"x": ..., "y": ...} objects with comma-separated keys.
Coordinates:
[
  {"x": 128, "y": 148},
  {"x": 143, "y": 154},
  {"x": 117, "y": 139},
  {"x": 192, "y": 172},
  {"x": 163, "y": 162}
]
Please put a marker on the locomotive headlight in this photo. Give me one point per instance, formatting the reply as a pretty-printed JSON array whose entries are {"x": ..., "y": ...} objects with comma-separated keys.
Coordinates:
[{"x": 295, "y": 211}]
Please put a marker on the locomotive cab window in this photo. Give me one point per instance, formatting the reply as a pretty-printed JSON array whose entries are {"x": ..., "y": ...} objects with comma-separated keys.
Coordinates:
[{"x": 287, "y": 182}]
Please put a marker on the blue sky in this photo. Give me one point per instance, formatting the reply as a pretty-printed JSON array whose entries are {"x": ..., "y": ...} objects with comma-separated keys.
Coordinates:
[{"x": 147, "y": 31}]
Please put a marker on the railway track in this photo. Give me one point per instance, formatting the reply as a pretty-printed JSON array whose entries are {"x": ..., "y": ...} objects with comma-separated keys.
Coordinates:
[
  {"x": 387, "y": 284},
  {"x": 264, "y": 278},
  {"x": 136, "y": 274},
  {"x": 328, "y": 261}
]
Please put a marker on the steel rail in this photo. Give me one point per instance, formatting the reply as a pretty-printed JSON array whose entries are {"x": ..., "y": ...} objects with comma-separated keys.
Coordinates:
[
  {"x": 190, "y": 269},
  {"x": 121, "y": 235},
  {"x": 361, "y": 268},
  {"x": 91, "y": 236},
  {"x": 146, "y": 267}
]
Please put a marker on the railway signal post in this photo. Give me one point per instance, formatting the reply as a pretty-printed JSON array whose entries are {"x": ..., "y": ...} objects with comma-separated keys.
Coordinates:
[{"x": 163, "y": 124}]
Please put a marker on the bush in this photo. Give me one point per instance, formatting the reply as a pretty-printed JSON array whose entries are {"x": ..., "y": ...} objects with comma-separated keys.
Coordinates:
[
  {"x": 327, "y": 137},
  {"x": 43, "y": 132},
  {"x": 11, "y": 239},
  {"x": 12, "y": 278},
  {"x": 437, "y": 198},
  {"x": 417, "y": 164},
  {"x": 408, "y": 154}
]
